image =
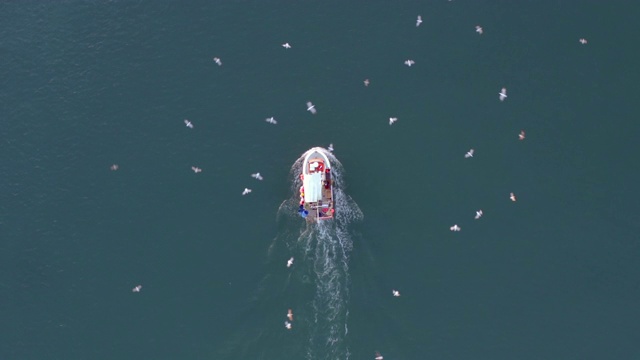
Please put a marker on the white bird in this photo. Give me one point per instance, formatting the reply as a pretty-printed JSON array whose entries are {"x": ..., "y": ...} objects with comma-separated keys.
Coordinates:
[
  {"x": 512, "y": 196},
  {"x": 330, "y": 148},
  {"x": 246, "y": 191},
  {"x": 287, "y": 325},
  {"x": 478, "y": 214},
  {"x": 395, "y": 293},
  {"x": 409, "y": 62},
  {"x": 290, "y": 262},
  {"x": 188, "y": 124},
  {"x": 392, "y": 120},
  {"x": 419, "y": 21},
  {"x": 378, "y": 356},
  {"x": 311, "y": 108},
  {"x": 521, "y": 135},
  {"x": 469, "y": 154},
  {"x": 366, "y": 82},
  {"x": 479, "y": 29},
  {"x": 455, "y": 228},
  {"x": 290, "y": 315},
  {"x": 217, "y": 61},
  {"x": 286, "y": 46},
  {"x": 137, "y": 288},
  {"x": 503, "y": 94},
  {"x": 583, "y": 41},
  {"x": 256, "y": 176},
  {"x": 196, "y": 169},
  {"x": 271, "y": 120}
]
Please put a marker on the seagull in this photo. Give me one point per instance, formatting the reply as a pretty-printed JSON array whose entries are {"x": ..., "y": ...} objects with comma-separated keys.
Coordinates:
[
  {"x": 311, "y": 108},
  {"x": 290, "y": 315},
  {"x": 330, "y": 148},
  {"x": 378, "y": 356},
  {"x": 256, "y": 176},
  {"x": 503, "y": 94},
  {"x": 196, "y": 169},
  {"x": 469, "y": 154},
  {"x": 479, "y": 29},
  {"x": 521, "y": 135},
  {"x": 583, "y": 41},
  {"x": 512, "y": 196},
  {"x": 114, "y": 167},
  {"x": 419, "y": 21},
  {"x": 366, "y": 82},
  {"x": 409, "y": 62},
  {"x": 287, "y": 325},
  {"x": 286, "y": 46},
  {"x": 395, "y": 293},
  {"x": 246, "y": 191},
  {"x": 271, "y": 120},
  {"x": 137, "y": 288},
  {"x": 289, "y": 262},
  {"x": 392, "y": 120},
  {"x": 188, "y": 124},
  {"x": 478, "y": 214},
  {"x": 455, "y": 228},
  {"x": 217, "y": 61}
]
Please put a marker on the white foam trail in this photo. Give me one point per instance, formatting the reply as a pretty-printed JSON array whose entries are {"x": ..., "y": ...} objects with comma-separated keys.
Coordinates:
[{"x": 325, "y": 248}]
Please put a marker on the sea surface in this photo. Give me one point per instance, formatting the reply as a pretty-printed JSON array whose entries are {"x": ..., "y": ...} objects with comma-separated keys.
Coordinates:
[{"x": 89, "y": 84}]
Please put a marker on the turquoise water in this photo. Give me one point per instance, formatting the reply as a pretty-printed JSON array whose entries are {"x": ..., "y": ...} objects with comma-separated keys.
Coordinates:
[{"x": 91, "y": 84}]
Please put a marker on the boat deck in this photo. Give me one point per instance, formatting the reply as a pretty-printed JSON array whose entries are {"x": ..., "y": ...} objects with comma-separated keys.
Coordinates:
[{"x": 319, "y": 203}]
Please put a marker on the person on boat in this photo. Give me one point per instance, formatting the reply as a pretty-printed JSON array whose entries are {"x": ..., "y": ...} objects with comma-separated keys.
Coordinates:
[{"x": 327, "y": 177}]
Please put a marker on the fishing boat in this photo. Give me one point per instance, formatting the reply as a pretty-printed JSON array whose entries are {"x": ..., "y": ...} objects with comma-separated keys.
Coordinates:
[{"x": 316, "y": 192}]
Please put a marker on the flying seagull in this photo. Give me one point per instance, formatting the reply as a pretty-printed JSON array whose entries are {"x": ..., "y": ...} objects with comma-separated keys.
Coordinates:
[
  {"x": 137, "y": 288},
  {"x": 217, "y": 61},
  {"x": 469, "y": 154},
  {"x": 246, "y": 191},
  {"x": 419, "y": 21},
  {"x": 478, "y": 214},
  {"x": 512, "y": 196},
  {"x": 479, "y": 29},
  {"x": 521, "y": 135},
  {"x": 271, "y": 120},
  {"x": 392, "y": 120},
  {"x": 290, "y": 315},
  {"x": 256, "y": 176},
  {"x": 583, "y": 41},
  {"x": 395, "y": 293},
  {"x": 455, "y": 228},
  {"x": 503, "y": 94},
  {"x": 409, "y": 62},
  {"x": 188, "y": 124},
  {"x": 378, "y": 356},
  {"x": 311, "y": 108},
  {"x": 286, "y": 46},
  {"x": 290, "y": 262},
  {"x": 330, "y": 148},
  {"x": 196, "y": 169}
]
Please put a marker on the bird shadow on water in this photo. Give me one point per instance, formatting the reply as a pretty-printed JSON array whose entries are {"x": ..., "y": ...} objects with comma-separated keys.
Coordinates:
[{"x": 315, "y": 286}]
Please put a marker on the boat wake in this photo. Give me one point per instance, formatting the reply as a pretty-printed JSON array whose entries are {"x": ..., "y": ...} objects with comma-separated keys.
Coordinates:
[
  {"x": 315, "y": 287},
  {"x": 322, "y": 258}
]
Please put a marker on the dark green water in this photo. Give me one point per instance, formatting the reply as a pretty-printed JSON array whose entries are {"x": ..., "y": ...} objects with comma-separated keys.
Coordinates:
[{"x": 89, "y": 84}]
